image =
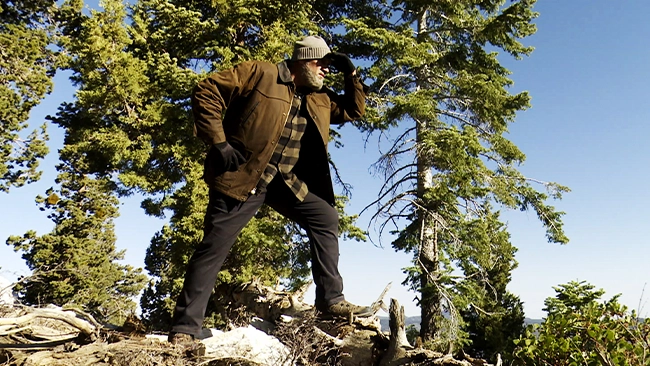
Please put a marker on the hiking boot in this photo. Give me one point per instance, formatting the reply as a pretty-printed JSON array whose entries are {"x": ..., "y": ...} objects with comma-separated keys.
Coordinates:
[
  {"x": 191, "y": 346},
  {"x": 345, "y": 309}
]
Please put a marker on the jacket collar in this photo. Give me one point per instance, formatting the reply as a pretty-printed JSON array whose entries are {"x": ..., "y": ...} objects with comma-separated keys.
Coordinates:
[{"x": 284, "y": 74}]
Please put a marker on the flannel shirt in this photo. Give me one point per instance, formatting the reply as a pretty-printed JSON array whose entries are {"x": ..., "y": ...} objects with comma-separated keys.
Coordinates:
[{"x": 285, "y": 155}]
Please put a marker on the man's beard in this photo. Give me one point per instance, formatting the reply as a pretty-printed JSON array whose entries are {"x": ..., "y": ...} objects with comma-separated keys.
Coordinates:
[{"x": 311, "y": 79}]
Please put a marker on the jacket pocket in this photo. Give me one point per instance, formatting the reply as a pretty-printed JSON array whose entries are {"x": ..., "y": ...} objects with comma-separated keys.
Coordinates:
[
  {"x": 247, "y": 113},
  {"x": 241, "y": 147}
]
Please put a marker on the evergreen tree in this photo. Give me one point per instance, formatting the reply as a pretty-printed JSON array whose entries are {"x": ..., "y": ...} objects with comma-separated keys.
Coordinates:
[
  {"x": 135, "y": 67},
  {"x": 27, "y": 65},
  {"x": 496, "y": 317},
  {"x": 438, "y": 83},
  {"x": 76, "y": 264}
]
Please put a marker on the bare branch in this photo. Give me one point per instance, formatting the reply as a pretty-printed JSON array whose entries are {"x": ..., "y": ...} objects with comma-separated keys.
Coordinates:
[
  {"x": 393, "y": 78},
  {"x": 389, "y": 190}
]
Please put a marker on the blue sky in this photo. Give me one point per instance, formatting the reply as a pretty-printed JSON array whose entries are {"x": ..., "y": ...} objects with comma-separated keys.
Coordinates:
[{"x": 587, "y": 129}]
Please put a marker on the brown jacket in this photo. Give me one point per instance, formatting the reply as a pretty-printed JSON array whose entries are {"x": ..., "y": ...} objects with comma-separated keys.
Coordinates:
[{"x": 248, "y": 107}]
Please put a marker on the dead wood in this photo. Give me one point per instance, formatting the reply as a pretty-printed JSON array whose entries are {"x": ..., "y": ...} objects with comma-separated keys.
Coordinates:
[
  {"x": 269, "y": 304},
  {"x": 379, "y": 303},
  {"x": 360, "y": 341},
  {"x": 130, "y": 352},
  {"x": 307, "y": 343},
  {"x": 398, "y": 344},
  {"x": 46, "y": 327},
  {"x": 38, "y": 337},
  {"x": 231, "y": 361},
  {"x": 400, "y": 352}
]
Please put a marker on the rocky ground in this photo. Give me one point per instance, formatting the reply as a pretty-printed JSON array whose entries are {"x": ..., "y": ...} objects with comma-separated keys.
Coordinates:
[{"x": 283, "y": 332}]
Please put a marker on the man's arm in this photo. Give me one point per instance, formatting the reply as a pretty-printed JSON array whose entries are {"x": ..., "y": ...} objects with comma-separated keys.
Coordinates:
[
  {"x": 213, "y": 95},
  {"x": 352, "y": 104}
]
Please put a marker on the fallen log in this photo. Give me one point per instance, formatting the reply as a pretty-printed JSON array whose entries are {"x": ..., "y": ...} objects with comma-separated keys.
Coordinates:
[
  {"x": 270, "y": 304},
  {"x": 47, "y": 327}
]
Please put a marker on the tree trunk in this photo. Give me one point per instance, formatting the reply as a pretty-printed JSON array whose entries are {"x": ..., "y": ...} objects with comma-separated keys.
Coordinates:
[{"x": 428, "y": 259}]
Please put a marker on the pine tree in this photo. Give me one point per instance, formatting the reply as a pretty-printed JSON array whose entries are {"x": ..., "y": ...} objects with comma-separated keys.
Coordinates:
[
  {"x": 438, "y": 83},
  {"x": 27, "y": 65},
  {"x": 219, "y": 36},
  {"x": 76, "y": 264},
  {"x": 130, "y": 125},
  {"x": 495, "y": 318}
]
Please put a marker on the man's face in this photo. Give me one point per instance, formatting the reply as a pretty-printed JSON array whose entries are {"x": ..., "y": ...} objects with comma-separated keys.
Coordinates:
[{"x": 311, "y": 73}]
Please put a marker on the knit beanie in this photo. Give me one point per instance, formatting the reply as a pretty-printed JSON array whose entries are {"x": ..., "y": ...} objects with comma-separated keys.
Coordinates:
[{"x": 309, "y": 48}]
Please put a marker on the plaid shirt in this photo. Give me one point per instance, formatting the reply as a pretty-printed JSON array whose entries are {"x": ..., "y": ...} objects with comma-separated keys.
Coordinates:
[{"x": 285, "y": 155}]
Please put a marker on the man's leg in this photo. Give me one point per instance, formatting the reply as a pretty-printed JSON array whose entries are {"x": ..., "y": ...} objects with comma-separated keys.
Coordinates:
[
  {"x": 224, "y": 220},
  {"x": 320, "y": 221}
]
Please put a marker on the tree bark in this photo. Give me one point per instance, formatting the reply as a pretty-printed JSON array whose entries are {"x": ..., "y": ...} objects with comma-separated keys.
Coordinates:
[{"x": 428, "y": 254}]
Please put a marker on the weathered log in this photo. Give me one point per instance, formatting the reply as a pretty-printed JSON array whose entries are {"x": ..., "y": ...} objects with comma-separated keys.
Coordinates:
[
  {"x": 140, "y": 352},
  {"x": 359, "y": 348},
  {"x": 476, "y": 361},
  {"x": 270, "y": 304},
  {"x": 25, "y": 323}
]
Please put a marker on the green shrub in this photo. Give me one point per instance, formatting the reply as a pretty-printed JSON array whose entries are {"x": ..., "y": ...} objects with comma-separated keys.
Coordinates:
[{"x": 581, "y": 330}]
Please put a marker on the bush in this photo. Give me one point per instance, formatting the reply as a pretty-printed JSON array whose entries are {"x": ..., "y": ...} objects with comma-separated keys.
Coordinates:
[{"x": 580, "y": 330}]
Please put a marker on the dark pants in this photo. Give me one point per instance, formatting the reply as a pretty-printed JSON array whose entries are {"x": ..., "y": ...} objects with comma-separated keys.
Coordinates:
[{"x": 226, "y": 217}]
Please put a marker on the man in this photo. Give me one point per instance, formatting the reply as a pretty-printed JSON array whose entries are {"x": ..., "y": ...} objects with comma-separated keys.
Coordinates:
[{"x": 268, "y": 128}]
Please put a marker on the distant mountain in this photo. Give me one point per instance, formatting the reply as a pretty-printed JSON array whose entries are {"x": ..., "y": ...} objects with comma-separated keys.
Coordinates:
[
  {"x": 529, "y": 321},
  {"x": 415, "y": 320}
]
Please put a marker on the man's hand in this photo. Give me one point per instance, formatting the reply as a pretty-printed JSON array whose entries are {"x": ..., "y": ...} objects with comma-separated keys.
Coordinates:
[
  {"x": 341, "y": 62},
  {"x": 228, "y": 158}
]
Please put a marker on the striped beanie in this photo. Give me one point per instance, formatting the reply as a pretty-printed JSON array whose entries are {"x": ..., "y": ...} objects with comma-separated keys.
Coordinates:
[{"x": 309, "y": 48}]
